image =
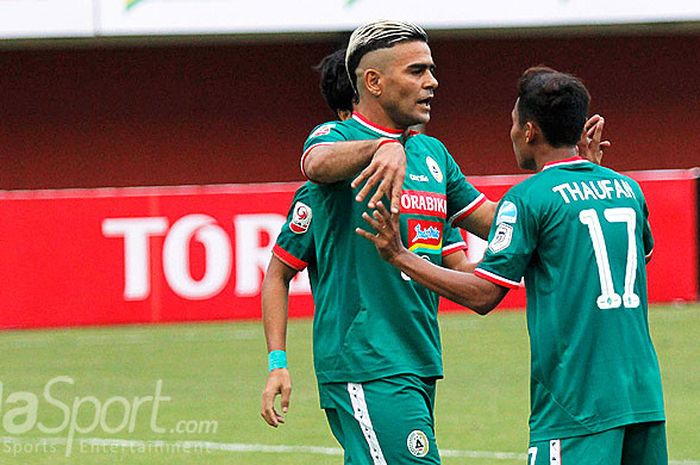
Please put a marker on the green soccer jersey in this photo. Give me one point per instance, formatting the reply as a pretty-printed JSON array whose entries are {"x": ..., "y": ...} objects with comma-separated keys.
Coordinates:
[
  {"x": 295, "y": 244},
  {"x": 371, "y": 321},
  {"x": 579, "y": 234}
]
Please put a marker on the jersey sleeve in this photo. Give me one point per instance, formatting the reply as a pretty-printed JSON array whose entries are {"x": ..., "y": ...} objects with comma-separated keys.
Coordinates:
[
  {"x": 462, "y": 197},
  {"x": 512, "y": 241},
  {"x": 453, "y": 241},
  {"x": 647, "y": 237},
  {"x": 323, "y": 134},
  {"x": 295, "y": 244}
]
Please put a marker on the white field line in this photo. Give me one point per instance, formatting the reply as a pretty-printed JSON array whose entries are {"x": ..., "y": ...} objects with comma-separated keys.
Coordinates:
[
  {"x": 263, "y": 448},
  {"x": 37, "y": 341}
]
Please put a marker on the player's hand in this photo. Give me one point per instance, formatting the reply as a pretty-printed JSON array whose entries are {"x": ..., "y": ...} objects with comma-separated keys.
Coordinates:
[
  {"x": 590, "y": 146},
  {"x": 279, "y": 382},
  {"x": 387, "y": 239},
  {"x": 387, "y": 170}
]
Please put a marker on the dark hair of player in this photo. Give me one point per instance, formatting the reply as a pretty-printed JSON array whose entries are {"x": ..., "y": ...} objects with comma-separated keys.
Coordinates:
[
  {"x": 335, "y": 84},
  {"x": 557, "y": 102}
]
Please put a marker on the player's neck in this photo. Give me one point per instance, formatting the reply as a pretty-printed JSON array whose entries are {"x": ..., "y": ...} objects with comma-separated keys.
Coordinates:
[
  {"x": 377, "y": 116},
  {"x": 550, "y": 154}
]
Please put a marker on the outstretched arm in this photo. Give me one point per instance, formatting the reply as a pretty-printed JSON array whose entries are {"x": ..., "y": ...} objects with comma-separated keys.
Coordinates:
[
  {"x": 464, "y": 288},
  {"x": 382, "y": 163},
  {"x": 275, "y": 296}
]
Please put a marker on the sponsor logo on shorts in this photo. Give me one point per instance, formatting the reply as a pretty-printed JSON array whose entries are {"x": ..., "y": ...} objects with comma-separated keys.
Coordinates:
[
  {"x": 301, "y": 218},
  {"x": 417, "y": 443},
  {"x": 434, "y": 168},
  {"x": 323, "y": 130},
  {"x": 424, "y": 203},
  {"x": 507, "y": 213},
  {"x": 424, "y": 235},
  {"x": 502, "y": 238}
]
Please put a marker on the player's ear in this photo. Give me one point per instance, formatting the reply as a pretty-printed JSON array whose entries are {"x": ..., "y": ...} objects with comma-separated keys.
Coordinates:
[
  {"x": 373, "y": 81},
  {"x": 530, "y": 131}
]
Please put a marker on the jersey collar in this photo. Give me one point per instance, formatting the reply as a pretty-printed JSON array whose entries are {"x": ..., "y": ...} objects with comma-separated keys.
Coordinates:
[
  {"x": 565, "y": 162},
  {"x": 386, "y": 132}
]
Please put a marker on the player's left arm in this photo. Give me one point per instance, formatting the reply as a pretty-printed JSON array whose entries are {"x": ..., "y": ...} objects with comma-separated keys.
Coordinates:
[
  {"x": 464, "y": 288},
  {"x": 467, "y": 208},
  {"x": 458, "y": 261},
  {"x": 454, "y": 251},
  {"x": 647, "y": 236},
  {"x": 479, "y": 221}
]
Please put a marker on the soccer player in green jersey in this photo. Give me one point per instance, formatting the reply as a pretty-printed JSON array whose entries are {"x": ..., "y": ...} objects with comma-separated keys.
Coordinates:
[
  {"x": 578, "y": 233},
  {"x": 376, "y": 338},
  {"x": 294, "y": 248}
]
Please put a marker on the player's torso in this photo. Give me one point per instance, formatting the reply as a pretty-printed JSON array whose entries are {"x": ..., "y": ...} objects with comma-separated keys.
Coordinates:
[
  {"x": 423, "y": 217},
  {"x": 593, "y": 363},
  {"x": 381, "y": 321}
]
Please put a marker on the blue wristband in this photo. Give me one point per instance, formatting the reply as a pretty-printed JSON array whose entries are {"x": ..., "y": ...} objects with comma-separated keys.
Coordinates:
[{"x": 276, "y": 359}]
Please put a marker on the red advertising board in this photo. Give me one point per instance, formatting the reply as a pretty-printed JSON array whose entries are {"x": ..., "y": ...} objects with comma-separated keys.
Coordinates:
[{"x": 167, "y": 254}]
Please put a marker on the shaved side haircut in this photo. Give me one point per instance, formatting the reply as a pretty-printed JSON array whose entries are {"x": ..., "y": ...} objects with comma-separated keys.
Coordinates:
[{"x": 376, "y": 35}]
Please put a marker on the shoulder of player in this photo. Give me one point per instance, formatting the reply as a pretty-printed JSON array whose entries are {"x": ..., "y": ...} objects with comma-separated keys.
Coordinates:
[
  {"x": 303, "y": 191},
  {"x": 528, "y": 193},
  {"x": 325, "y": 128},
  {"x": 426, "y": 141},
  {"x": 428, "y": 145}
]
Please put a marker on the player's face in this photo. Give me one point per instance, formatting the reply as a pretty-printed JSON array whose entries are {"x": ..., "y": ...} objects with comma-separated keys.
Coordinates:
[
  {"x": 409, "y": 84},
  {"x": 518, "y": 137}
]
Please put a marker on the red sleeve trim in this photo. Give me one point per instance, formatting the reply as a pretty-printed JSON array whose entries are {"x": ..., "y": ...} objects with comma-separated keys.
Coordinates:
[
  {"x": 468, "y": 210},
  {"x": 306, "y": 153},
  {"x": 494, "y": 278},
  {"x": 452, "y": 248},
  {"x": 288, "y": 258}
]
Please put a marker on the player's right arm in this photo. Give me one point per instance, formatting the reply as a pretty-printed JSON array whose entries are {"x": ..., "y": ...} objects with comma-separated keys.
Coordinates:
[
  {"x": 378, "y": 163},
  {"x": 292, "y": 252},
  {"x": 275, "y": 292}
]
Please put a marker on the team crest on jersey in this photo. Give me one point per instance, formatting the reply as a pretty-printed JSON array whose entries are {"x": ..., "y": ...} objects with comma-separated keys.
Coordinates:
[
  {"x": 417, "y": 443},
  {"x": 507, "y": 213},
  {"x": 502, "y": 238},
  {"x": 301, "y": 218},
  {"x": 424, "y": 236},
  {"x": 322, "y": 130},
  {"x": 434, "y": 168}
]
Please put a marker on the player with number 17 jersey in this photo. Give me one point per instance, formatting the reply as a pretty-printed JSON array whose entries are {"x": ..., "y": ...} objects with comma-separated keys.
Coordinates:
[{"x": 593, "y": 365}]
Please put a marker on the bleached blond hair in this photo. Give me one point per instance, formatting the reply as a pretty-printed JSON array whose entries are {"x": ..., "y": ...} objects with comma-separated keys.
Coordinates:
[{"x": 373, "y": 36}]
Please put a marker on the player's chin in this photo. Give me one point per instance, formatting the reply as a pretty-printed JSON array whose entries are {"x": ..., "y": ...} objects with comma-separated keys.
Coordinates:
[{"x": 422, "y": 116}]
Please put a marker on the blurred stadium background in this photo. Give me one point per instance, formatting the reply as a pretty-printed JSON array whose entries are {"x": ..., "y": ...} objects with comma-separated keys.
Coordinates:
[{"x": 149, "y": 151}]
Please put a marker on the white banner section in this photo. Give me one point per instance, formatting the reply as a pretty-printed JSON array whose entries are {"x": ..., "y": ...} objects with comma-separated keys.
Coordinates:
[
  {"x": 46, "y": 18},
  {"x": 136, "y": 17},
  {"x": 79, "y": 18}
]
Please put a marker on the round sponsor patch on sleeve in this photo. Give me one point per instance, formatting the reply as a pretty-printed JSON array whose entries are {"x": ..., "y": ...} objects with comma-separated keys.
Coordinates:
[
  {"x": 502, "y": 238},
  {"x": 301, "y": 218}
]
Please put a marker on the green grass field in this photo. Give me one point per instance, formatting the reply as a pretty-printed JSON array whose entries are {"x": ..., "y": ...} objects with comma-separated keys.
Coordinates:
[{"x": 214, "y": 373}]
